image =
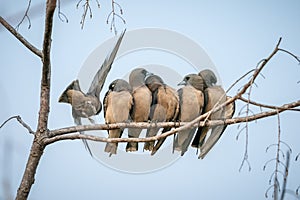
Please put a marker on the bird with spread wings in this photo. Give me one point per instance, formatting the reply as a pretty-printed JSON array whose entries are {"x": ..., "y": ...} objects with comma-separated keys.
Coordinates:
[{"x": 85, "y": 105}]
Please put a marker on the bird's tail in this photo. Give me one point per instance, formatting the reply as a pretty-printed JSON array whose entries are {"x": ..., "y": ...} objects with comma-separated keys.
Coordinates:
[
  {"x": 77, "y": 121},
  {"x": 211, "y": 141},
  {"x": 148, "y": 146},
  {"x": 133, "y": 133},
  {"x": 111, "y": 148},
  {"x": 183, "y": 140},
  {"x": 159, "y": 142},
  {"x": 86, "y": 145},
  {"x": 217, "y": 131}
]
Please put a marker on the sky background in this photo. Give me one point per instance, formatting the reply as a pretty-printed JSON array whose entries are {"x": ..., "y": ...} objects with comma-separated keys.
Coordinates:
[{"x": 236, "y": 35}]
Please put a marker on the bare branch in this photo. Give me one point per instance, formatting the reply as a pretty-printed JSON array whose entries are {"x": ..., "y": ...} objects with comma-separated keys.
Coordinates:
[
  {"x": 38, "y": 146},
  {"x": 259, "y": 68},
  {"x": 25, "y": 16},
  {"x": 276, "y": 185},
  {"x": 264, "y": 105},
  {"x": 86, "y": 9},
  {"x": 61, "y": 15},
  {"x": 27, "y": 44},
  {"x": 20, "y": 121},
  {"x": 238, "y": 80},
  {"x": 287, "y": 164},
  {"x": 111, "y": 16},
  {"x": 65, "y": 133},
  {"x": 288, "y": 52}
]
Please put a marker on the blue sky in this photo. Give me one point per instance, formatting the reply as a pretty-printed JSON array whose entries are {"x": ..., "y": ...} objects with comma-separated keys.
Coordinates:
[{"x": 236, "y": 35}]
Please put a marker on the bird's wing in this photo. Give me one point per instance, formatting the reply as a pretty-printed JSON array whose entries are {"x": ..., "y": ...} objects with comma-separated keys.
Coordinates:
[
  {"x": 191, "y": 106},
  {"x": 172, "y": 99},
  {"x": 196, "y": 142},
  {"x": 217, "y": 131},
  {"x": 77, "y": 121},
  {"x": 99, "y": 78}
]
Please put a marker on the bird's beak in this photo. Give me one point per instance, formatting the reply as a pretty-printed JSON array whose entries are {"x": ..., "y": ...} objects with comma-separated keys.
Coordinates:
[
  {"x": 148, "y": 74},
  {"x": 182, "y": 83},
  {"x": 63, "y": 98}
]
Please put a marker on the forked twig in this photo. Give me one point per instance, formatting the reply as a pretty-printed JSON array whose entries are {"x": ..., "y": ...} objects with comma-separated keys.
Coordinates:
[
  {"x": 86, "y": 10},
  {"x": 111, "y": 16},
  {"x": 25, "y": 16},
  {"x": 19, "y": 119}
]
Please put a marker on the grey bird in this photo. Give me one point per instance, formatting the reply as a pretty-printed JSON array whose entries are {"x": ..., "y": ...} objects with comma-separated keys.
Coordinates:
[
  {"x": 214, "y": 95},
  {"x": 164, "y": 108},
  {"x": 191, "y": 101},
  {"x": 142, "y": 99},
  {"x": 117, "y": 104},
  {"x": 85, "y": 105}
]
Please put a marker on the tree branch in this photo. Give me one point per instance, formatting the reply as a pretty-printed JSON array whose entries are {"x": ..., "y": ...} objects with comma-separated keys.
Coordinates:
[
  {"x": 38, "y": 144},
  {"x": 111, "y": 16},
  {"x": 265, "y": 105},
  {"x": 15, "y": 33},
  {"x": 20, "y": 121},
  {"x": 25, "y": 16},
  {"x": 63, "y": 134}
]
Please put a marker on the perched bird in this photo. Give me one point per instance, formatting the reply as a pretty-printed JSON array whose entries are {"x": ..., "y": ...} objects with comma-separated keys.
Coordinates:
[
  {"x": 87, "y": 105},
  {"x": 117, "y": 104},
  {"x": 214, "y": 95},
  {"x": 142, "y": 99},
  {"x": 191, "y": 101},
  {"x": 164, "y": 108}
]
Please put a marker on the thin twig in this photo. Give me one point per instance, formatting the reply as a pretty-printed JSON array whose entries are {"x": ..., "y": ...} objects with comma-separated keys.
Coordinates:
[
  {"x": 111, "y": 16},
  {"x": 15, "y": 33},
  {"x": 61, "y": 15},
  {"x": 287, "y": 164},
  {"x": 238, "y": 80},
  {"x": 265, "y": 105},
  {"x": 25, "y": 16},
  {"x": 86, "y": 9},
  {"x": 19, "y": 119},
  {"x": 288, "y": 52}
]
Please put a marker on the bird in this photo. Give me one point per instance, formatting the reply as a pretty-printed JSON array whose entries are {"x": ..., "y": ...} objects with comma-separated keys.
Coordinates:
[
  {"x": 142, "y": 98},
  {"x": 117, "y": 104},
  {"x": 164, "y": 108},
  {"x": 191, "y": 101},
  {"x": 86, "y": 105},
  {"x": 214, "y": 95}
]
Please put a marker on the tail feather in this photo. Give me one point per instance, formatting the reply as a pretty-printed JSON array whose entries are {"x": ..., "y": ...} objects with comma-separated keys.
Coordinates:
[
  {"x": 133, "y": 133},
  {"x": 159, "y": 142},
  {"x": 77, "y": 121}
]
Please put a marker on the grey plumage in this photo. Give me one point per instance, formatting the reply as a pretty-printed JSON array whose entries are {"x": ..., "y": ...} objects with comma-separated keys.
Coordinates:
[
  {"x": 117, "y": 104},
  {"x": 87, "y": 105},
  {"x": 142, "y": 99},
  {"x": 165, "y": 107},
  {"x": 191, "y": 101},
  {"x": 214, "y": 96}
]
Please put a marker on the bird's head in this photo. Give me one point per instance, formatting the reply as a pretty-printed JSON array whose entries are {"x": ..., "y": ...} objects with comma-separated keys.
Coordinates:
[
  {"x": 137, "y": 77},
  {"x": 119, "y": 85},
  {"x": 153, "y": 82},
  {"x": 194, "y": 80},
  {"x": 209, "y": 77},
  {"x": 66, "y": 96}
]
